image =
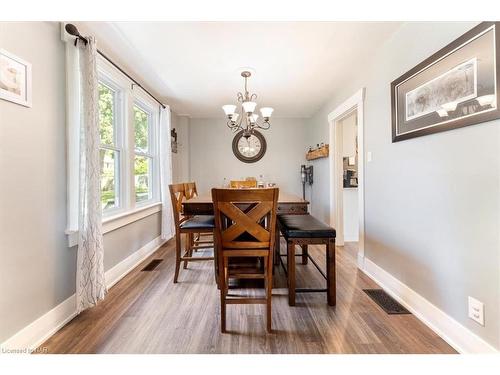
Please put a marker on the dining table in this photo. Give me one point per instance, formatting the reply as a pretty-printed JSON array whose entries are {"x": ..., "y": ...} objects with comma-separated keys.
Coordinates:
[{"x": 288, "y": 203}]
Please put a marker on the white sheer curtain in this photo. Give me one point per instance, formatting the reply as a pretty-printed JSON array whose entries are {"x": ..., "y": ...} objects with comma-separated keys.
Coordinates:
[
  {"x": 167, "y": 220},
  {"x": 90, "y": 283}
]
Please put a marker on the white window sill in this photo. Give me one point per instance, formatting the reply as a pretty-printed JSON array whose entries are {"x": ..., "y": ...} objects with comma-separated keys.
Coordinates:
[{"x": 117, "y": 221}]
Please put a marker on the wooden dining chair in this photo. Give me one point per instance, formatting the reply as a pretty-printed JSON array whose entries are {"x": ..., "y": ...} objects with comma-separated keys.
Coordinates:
[
  {"x": 190, "y": 190},
  {"x": 198, "y": 240},
  {"x": 188, "y": 225},
  {"x": 245, "y": 222},
  {"x": 241, "y": 184}
]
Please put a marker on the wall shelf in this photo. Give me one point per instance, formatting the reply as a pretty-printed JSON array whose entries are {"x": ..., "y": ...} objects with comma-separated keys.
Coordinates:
[{"x": 321, "y": 152}]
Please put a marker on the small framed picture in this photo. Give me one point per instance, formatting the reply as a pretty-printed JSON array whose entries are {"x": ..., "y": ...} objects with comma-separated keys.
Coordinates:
[
  {"x": 15, "y": 79},
  {"x": 455, "y": 87}
]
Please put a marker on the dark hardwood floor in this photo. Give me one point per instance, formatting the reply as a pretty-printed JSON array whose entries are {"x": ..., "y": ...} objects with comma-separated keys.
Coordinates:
[{"x": 146, "y": 313}]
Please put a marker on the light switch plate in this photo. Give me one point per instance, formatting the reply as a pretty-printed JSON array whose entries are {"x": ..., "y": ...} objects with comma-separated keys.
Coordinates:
[
  {"x": 369, "y": 156},
  {"x": 476, "y": 310}
]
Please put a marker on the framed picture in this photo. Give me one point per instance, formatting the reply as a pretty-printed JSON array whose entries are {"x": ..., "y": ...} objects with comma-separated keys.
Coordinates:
[
  {"x": 455, "y": 87},
  {"x": 15, "y": 79}
]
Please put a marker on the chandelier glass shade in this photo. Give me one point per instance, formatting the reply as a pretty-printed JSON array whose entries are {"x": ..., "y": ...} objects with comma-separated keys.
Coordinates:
[{"x": 243, "y": 116}]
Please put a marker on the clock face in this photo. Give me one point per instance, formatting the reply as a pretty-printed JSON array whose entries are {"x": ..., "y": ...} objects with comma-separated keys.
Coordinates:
[{"x": 251, "y": 148}]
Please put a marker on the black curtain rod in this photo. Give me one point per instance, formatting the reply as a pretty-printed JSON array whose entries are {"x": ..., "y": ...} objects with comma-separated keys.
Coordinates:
[{"x": 72, "y": 30}]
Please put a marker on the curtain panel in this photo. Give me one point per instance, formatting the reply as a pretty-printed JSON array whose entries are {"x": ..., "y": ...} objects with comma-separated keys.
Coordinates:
[
  {"x": 90, "y": 283},
  {"x": 167, "y": 220}
]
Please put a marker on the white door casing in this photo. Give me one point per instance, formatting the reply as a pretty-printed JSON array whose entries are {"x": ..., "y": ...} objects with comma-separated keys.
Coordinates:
[{"x": 354, "y": 103}]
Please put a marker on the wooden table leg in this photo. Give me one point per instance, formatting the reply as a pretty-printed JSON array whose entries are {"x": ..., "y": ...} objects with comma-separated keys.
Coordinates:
[
  {"x": 290, "y": 251},
  {"x": 330, "y": 273},
  {"x": 304, "y": 254},
  {"x": 216, "y": 265},
  {"x": 277, "y": 245},
  {"x": 177, "y": 255},
  {"x": 268, "y": 282}
]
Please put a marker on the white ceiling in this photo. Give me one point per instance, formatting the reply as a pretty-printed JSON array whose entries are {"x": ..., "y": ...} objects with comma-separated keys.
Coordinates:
[{"x": 194, "y": 65}]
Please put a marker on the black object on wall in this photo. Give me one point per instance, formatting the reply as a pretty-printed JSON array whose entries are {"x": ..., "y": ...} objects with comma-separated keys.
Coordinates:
[{"x": 306, "y": 175}]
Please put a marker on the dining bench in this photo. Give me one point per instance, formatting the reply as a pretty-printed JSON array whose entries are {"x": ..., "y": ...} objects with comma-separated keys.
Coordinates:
[{"x": 306, "y": 230}]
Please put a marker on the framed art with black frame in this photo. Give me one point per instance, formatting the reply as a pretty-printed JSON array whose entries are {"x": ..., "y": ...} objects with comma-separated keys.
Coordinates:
[{"x": 455, "y": 87}]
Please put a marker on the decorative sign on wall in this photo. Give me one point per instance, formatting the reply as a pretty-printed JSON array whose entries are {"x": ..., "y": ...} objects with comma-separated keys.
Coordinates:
[
  {"x": 15, "y": 79},
  {"x": 321, "y": 151},
  {"x": 174, "y": 144},
  {"x": 455, "y": 87}
]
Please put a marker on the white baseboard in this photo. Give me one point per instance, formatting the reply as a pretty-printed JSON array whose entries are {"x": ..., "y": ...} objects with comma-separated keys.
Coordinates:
[
  {"x": 361, "y": 261},
  {"x": 32, "y": 336},
  {"x": 351, "y": 237},
  {"x": 454, "y": 333}
]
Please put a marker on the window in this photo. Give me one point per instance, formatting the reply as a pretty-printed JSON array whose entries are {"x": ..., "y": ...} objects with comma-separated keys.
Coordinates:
[
  {"x": 128, "y": 121},
  {"x": 110, "y": 148},
  {"x": 144, "y": 154},
  {"x": 129, "y": 161}
]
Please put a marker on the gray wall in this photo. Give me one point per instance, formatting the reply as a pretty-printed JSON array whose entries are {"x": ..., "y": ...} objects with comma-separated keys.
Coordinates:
[
  {"x": 212, "y": 158},
  {"x": 37, "y": 269},
  {"x": 432, "y": 206},
  {"x": 124, "y": 241},
  {"x": 180, "y": 160}
]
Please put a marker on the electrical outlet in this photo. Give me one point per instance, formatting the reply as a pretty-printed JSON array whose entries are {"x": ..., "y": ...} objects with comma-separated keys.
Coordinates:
[{"x": 476, "y": 310}]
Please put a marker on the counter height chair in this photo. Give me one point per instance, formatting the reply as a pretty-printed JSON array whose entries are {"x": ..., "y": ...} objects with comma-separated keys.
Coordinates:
[
  {"x": 190, "y": 190},
  {"x": 198, "y": 240},
  {"x": 245, "y": 222},
  {"x": 189, "y": 225}
]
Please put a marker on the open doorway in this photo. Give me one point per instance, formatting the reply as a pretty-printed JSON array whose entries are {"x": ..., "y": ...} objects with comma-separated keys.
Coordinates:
[
  {"x": 348, "y": 127},
  {"x": 346, "y": 173}
]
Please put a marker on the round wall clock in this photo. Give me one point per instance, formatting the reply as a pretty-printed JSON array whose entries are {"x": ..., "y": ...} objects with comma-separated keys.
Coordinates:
[{"x": 249, "y": 147}]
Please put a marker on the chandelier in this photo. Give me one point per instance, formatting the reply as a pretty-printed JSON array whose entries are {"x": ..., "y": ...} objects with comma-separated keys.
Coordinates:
[{"x": 245, "y": 119}]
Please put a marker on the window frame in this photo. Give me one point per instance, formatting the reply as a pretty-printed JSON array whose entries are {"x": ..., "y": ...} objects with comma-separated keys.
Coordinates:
[
  {"x": 144, "y": 103},
  {"x": 118, "y": 142},
  {"x": 130, "y": 95}
]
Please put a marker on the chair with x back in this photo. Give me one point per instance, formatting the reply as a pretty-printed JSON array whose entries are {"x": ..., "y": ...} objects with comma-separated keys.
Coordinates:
[
  {"x": 245, "y": 221},
  {"x": 190, "y": 190},
  {"x": 189, "y": 225}
]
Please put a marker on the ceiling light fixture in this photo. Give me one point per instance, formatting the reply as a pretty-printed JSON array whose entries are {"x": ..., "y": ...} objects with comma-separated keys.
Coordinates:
[{"x": 245, "y": 118}]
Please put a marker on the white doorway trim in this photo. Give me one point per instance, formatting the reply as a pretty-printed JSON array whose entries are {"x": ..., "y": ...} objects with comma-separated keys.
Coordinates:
[{"x": 354, "y": 103}]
